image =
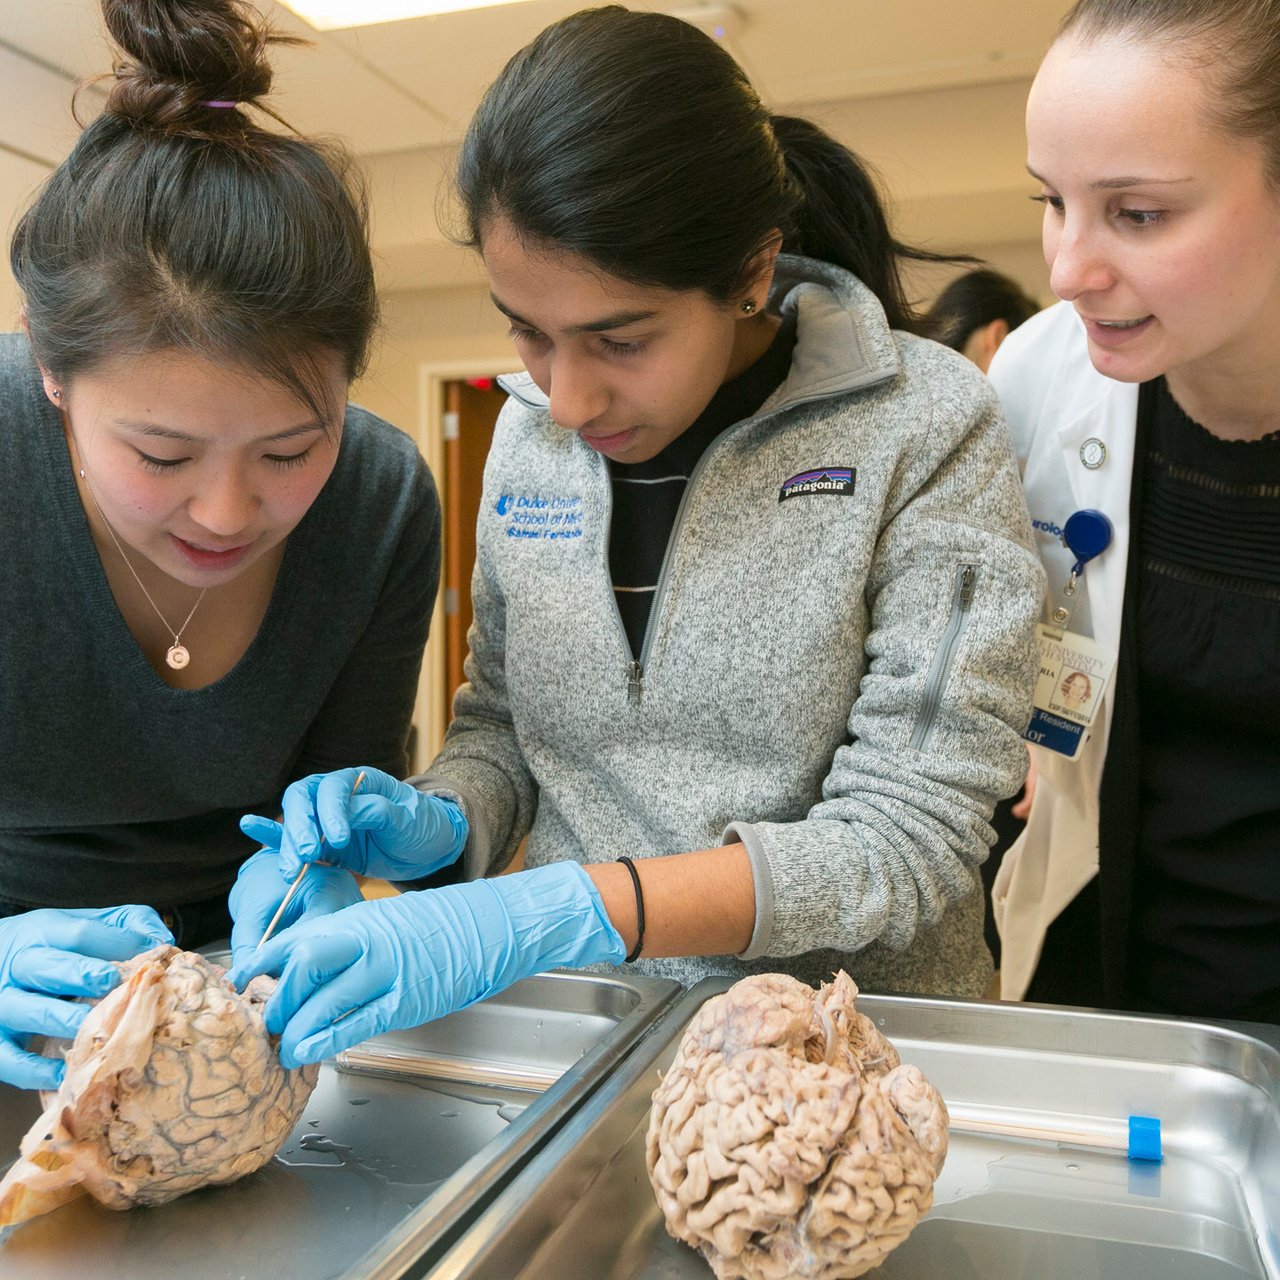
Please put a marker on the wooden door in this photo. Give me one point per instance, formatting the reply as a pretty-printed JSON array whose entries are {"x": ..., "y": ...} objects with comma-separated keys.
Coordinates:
[{"x": 471, "y": 409}]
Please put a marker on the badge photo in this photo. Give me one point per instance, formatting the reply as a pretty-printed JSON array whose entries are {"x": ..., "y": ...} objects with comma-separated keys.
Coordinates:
[{"x": 1074, "y": 674}]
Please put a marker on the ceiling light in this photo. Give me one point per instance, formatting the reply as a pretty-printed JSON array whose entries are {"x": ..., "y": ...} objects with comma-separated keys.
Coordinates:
[{"x": 329, "y": 15}]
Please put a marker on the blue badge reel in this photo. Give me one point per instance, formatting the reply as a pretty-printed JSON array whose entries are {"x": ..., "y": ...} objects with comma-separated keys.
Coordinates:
[
  {"x": 1087, "y": 535},
  {"x": 1074, "y": 671}
]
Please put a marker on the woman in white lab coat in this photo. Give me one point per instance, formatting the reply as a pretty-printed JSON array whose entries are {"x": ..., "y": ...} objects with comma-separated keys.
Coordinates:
[{"x": 1147, "y": 875}]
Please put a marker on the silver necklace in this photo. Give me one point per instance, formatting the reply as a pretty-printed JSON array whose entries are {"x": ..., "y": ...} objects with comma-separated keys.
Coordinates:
[{"x": 177, "y": 657}]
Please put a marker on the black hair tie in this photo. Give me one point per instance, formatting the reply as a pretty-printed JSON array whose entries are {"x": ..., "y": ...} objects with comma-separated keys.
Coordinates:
[{"x": 635, "y": 881}]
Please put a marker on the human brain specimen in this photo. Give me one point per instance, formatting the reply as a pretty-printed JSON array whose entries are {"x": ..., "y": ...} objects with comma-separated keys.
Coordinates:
[
  {"x": 172, "y": 1083},
  {"x": 787, "y": 1141}
]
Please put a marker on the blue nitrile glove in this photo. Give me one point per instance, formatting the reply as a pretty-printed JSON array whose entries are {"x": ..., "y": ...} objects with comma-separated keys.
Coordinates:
[
  {"x": 260, "y": 889},
  {"x": 397, "y": 962},
  {"x": 48, "y": 955},
  {"x": 387, "y": 829}
]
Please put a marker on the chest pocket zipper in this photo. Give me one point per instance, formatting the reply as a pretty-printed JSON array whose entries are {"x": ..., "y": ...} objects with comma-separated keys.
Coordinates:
[{"x": 940, "y": 672}]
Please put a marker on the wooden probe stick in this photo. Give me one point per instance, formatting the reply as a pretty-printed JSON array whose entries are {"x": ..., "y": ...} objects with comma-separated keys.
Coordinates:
[
  {"x": 1004, "y": 1129},
  {"x": 293, "y": 888}
]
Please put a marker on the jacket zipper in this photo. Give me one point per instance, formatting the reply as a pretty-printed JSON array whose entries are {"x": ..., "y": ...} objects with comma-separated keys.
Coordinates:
[
  {"x": 636, "y": 667},
  {"x": 634, "y": 671},
  {"x": 944, "y": 659}
]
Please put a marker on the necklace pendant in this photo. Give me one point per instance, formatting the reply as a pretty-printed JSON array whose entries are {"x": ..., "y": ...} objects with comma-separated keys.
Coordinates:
[{"x": 177, "y": 657}]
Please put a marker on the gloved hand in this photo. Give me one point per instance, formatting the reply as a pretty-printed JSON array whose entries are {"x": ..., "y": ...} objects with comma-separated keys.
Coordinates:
[
  {"x": 49, "y": 955},
  {"x": 387, "y": 829},
  {"x": 260, "y": 889},
  {"x": 397, "y": 962}
]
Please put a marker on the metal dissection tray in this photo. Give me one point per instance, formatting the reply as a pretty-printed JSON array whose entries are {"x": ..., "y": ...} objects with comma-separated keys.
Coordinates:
[
  {"x": 1005, "y": 1208},
  {"x": 403, "y": 1141}
]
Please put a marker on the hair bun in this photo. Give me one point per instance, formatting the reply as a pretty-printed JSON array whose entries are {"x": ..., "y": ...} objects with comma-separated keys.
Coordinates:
[{"x": 181, "y": 54}]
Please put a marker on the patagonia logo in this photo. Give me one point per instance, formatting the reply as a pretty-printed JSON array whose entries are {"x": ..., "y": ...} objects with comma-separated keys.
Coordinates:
[
  {"x": 836, "y": 481},
  {"x": 533, "y": 517}
]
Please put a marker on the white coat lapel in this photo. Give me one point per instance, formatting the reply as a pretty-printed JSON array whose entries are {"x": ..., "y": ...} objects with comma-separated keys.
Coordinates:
[{"x": 1110, "y": 419}]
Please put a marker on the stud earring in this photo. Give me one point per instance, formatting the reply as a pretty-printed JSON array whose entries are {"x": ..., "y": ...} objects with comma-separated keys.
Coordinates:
[
  {"x": 57, "y": 393},
  {"x": 749, "y": 307}
]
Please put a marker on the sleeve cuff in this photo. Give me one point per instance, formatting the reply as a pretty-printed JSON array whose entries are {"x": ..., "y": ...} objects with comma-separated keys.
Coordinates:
[
  {"x": 762, "y": 874},
  {"x": 477, "y": 853}
]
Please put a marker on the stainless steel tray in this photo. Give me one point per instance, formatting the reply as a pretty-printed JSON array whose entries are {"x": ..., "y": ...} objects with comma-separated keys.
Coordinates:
[
  {"x": 403, "y": 1141},
  {"x": 1005, "y": 1208}
]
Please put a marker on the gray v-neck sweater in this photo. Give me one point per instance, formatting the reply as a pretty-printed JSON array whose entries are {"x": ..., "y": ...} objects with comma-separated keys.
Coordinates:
[{"x": 115, "y": 787}]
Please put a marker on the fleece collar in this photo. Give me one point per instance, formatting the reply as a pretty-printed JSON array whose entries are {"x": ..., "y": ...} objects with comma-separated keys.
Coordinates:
[{"x": 843, "y": 342}]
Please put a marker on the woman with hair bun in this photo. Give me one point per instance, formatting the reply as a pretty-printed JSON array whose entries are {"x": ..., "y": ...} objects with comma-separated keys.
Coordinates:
[
  {"x": 754, "y": 594},
  {"x": 218, "y": 576}
]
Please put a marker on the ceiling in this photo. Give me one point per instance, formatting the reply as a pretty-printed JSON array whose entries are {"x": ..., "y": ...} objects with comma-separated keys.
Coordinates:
[{"x": 930, "y": 90}]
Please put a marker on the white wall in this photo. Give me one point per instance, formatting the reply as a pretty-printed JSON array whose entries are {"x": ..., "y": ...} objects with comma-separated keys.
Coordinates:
[
  {"x": 430, "y": 326},
  {"x": 36, "y": 131},
  {"x": 21, "y": 176}
]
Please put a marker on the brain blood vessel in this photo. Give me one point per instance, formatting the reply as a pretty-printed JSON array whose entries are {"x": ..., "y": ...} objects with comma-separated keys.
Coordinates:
[
  {"x": 787, "y": 1141},
  {"x": 172, "y": 1083}
]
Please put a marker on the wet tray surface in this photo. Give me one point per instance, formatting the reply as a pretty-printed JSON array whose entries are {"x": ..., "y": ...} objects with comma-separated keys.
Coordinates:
[
  {"x": 404, "y": 1139},
  {"x": 1005, "y": 1208}
]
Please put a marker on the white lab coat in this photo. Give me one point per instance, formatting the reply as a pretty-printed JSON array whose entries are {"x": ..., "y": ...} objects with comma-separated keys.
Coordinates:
[{"x": 1056, "y": 401}]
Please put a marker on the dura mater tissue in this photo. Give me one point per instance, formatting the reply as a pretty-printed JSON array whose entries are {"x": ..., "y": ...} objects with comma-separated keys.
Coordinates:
[{"x": 171, "y": 1084}]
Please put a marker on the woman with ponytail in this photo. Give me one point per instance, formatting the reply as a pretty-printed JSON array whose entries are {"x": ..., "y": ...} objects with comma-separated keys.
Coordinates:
[
  {"x": 217, "y": 575},
  {"x": 755, "y": 590},
  {"x": 1147, "y": 875}
]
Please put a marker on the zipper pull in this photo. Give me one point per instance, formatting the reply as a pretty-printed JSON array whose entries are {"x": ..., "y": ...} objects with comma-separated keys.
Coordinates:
[
  {"x": 635, "y": 683},
  {"x": 968, "y": 578}
]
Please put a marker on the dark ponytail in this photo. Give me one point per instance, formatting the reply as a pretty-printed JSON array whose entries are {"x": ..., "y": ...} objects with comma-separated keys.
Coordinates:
[
  {"x": 180, "y": 223},
  {"x": 637, "y": 142},
  {"x": 841, "y": 219}
]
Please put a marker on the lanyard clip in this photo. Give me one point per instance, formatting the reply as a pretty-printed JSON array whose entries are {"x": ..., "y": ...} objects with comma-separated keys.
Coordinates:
[{"x": 1086, "y": 534}]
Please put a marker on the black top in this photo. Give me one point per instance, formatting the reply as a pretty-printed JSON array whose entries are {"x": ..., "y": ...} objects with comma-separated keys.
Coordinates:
[
  {"x": 1206, "y": 893},
  {"x": 647, "y": 495},
  {"x": 115, "y": 787}
]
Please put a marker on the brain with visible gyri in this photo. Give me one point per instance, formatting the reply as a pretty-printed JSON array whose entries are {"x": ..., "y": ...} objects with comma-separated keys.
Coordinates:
[{"x": 787, "y": 1142}]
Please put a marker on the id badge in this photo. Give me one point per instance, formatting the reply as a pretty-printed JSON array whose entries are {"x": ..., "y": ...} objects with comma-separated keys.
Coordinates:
[{"x": 1074, "y": 674}]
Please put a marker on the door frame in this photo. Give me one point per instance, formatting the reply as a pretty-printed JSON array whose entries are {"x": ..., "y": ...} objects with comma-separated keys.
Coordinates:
[{"x": 430, "y": 712}]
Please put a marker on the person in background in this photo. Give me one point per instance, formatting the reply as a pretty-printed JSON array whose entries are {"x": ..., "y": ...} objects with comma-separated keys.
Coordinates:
[
  {"x": 1148, "y": 877},
  {"x": 976, "y": 312},
  {"x": 754, "y": 592},
  {"x": 218, "y": 576}
]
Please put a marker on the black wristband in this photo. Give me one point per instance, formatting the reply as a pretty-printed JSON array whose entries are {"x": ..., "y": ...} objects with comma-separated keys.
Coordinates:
[{"x": 635, "y": 881}]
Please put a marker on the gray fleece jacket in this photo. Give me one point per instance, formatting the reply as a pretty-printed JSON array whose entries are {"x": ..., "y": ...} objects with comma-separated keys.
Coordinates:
[{"x": 838, "y": 666}]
